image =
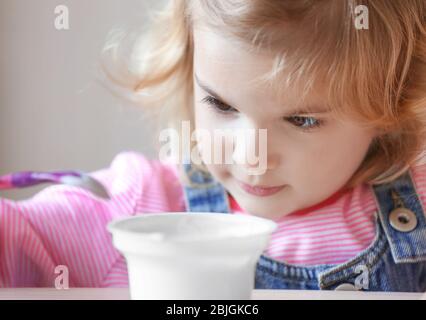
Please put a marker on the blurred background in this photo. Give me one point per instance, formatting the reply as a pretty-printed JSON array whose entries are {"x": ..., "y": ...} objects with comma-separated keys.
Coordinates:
[{"x": 54, "y": 113}]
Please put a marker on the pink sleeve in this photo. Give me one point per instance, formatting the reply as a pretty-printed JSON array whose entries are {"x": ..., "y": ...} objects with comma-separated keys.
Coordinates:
[
  {"x": 64, "y": 225},
  {"x": 418, "y": 172}
]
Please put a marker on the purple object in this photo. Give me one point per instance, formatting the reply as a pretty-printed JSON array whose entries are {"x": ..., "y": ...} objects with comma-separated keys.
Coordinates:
[{"x": 31, "y": 178}]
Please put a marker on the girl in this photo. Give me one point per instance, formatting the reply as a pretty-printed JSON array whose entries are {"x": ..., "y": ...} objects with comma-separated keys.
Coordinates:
[{"x": 345, "y": 111}]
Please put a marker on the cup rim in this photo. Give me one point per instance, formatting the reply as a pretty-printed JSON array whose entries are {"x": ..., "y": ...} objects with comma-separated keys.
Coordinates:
[{"x": 113, "y": 227}]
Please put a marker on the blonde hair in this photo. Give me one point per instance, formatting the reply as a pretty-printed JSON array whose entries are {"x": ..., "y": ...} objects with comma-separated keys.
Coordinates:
[{"x": 376, "y": 76}]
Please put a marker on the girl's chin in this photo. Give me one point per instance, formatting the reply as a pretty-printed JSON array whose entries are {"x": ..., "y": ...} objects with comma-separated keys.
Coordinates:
[
  {"x": 263, "y": 209},
  {"x": 274, "y": 216}
]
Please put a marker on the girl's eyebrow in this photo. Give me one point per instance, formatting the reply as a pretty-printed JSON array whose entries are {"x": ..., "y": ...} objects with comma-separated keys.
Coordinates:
[
  {"x": 308, "y": 109},
  {"x": 209, "y": 90}
]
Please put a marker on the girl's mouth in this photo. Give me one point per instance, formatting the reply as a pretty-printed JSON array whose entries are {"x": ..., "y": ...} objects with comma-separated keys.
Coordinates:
[{"x": 260, "y": 191}]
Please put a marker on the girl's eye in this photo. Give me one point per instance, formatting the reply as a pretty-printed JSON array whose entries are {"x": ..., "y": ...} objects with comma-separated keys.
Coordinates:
[
  {"x": 218, "y": 106},
  {"x": 305, "y": 123}
]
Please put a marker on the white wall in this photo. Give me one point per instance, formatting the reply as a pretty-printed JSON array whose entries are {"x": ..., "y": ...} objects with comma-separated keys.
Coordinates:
[{"x": 53, "y": 112}]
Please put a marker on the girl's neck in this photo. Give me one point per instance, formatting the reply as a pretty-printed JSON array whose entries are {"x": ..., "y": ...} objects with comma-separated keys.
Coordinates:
[{"x": 331, "y": 199}]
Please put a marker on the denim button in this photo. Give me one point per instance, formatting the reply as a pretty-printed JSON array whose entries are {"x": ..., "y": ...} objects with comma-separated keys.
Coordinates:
[
  {"x": 403, "y": 219},
  {"x": 346, "y": 287}
]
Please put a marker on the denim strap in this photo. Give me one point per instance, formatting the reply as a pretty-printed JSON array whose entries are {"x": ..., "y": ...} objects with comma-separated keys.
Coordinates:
[
  {"x": 205, "y": 193},
  {"x": 405, "y": 246}
]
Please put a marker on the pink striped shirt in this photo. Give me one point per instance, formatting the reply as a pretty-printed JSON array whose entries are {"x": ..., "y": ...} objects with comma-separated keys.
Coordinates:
[{"x": 64, "y": 225}]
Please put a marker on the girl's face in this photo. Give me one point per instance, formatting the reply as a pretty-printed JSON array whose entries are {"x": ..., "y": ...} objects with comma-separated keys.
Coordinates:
[{"x": 310, "y": 156}]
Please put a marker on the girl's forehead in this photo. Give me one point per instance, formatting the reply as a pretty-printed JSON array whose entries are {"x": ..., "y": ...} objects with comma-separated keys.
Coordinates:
[
  {"x": 220, "y": 59},
  {"x": 223, "y": 49},
  {"x": 231, "y": 69}
]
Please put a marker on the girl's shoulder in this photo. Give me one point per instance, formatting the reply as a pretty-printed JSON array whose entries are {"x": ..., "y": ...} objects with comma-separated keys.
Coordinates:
[
  {"x": 418, "y": 174},
  {"x": 156, "y": 183}
]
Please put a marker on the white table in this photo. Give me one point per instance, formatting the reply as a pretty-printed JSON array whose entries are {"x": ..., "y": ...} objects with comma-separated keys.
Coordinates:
[{"x": 123, "y": 294}]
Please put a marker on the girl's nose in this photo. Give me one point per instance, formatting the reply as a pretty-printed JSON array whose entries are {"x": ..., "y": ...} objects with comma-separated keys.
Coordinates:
[
  {"x": 270, "y": 162},
  {"x": 251, "y": 151}
]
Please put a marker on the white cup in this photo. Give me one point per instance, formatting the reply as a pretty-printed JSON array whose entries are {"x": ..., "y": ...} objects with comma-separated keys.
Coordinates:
[{"x": 198, "y": 255}]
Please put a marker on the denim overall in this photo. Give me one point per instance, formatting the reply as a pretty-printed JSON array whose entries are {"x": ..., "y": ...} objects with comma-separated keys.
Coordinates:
[{"x": 395, "y": 261}]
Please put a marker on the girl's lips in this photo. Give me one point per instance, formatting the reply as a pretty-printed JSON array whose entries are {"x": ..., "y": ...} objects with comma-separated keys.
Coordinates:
[{"x": 258, "y": 190}]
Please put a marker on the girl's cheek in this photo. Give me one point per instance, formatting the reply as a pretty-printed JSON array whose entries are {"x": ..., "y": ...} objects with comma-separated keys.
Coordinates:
[{"x": 202, "y": 117}]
